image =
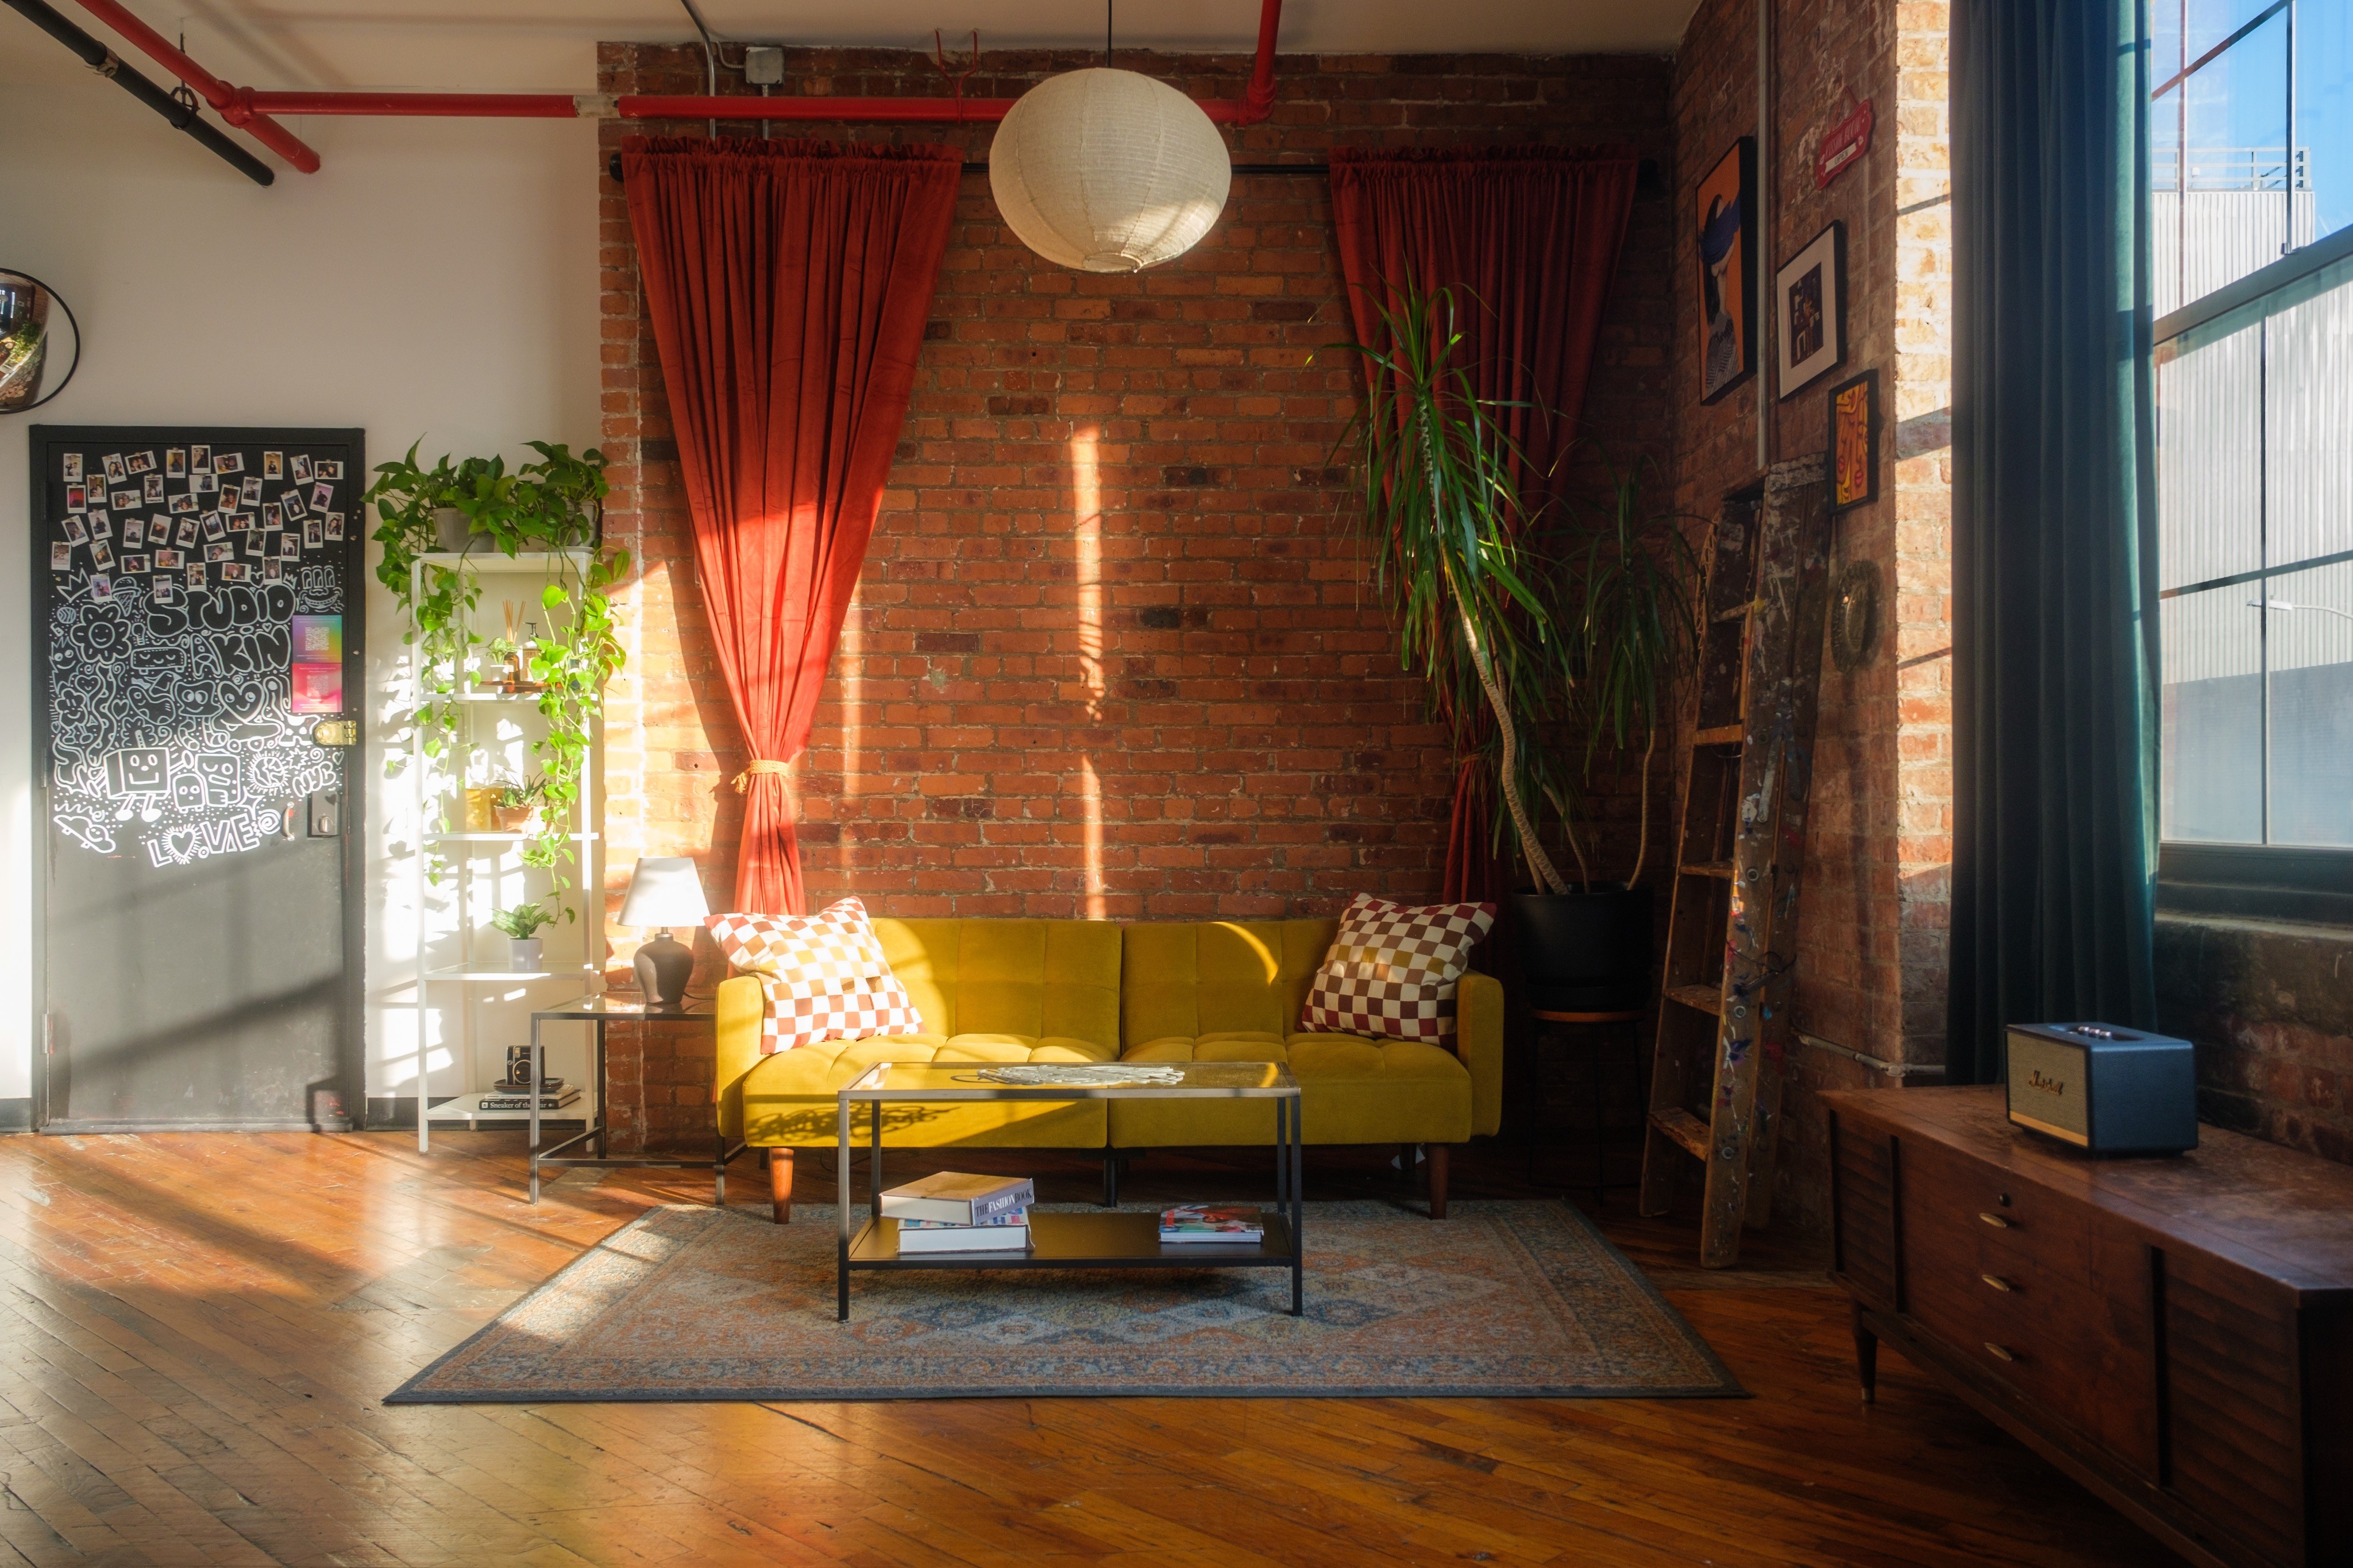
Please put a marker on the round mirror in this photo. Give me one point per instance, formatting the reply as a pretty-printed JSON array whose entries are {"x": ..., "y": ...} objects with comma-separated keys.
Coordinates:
[{"x": 39, "y": 343}]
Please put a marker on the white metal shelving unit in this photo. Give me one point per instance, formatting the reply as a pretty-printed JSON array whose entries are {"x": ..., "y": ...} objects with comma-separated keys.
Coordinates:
[{"x": 440, "y": 796}]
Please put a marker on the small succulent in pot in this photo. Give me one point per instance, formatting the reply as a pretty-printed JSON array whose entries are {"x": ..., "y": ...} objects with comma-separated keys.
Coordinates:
[
  {"x": 522, "y": 925},
  {"x": 517, "y": 802}
]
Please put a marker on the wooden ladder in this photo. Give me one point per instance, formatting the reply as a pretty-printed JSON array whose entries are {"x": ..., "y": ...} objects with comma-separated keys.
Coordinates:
[{"x": 1739, "y": 848}]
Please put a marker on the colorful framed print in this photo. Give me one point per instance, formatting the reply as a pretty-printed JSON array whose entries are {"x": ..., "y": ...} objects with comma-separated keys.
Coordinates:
[
  {"x": 1722, "y": 211},
  {"x": 1809, "y": 304},
  {"x": 1854, "y": 441}
]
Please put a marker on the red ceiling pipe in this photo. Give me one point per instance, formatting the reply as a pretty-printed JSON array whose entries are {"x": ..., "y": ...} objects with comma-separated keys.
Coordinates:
[
  {"x": 230, "y": 101},
  {"x": 434, "y": 105},
  {"x": 648, "y": 106}
]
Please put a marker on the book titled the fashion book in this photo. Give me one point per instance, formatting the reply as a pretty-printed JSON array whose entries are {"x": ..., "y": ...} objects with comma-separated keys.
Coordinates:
[
  {"x": 963, "y": 1238},
  {"x": 1225, "y": 1223},
  {"x": 958, "y": 1198}
]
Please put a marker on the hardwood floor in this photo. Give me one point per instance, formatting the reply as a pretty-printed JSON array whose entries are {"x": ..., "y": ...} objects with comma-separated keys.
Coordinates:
[{"x": 195, "y": 1333}]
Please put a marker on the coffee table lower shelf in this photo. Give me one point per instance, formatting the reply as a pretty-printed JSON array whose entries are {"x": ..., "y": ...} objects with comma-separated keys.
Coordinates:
[{"x": 1114, "y": 1240}]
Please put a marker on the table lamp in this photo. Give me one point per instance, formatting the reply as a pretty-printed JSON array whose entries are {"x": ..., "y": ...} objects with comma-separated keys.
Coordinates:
[{"x": 664, "y": 891}]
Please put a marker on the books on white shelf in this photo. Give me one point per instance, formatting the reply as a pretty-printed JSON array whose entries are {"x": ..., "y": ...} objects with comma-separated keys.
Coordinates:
[
  {"x": 1229, "y": 1224},
  {"x": 522, "y": 1102},
  {"x": 963, "y": 1238},
  {"x": 955, "y": 1198}
]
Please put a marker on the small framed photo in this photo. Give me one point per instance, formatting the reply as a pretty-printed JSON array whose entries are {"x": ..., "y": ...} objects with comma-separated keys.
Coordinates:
[
  {"x": 289, "y": 546},
  {"x": 322, "y": 496},
  {"x": 135, "y": 566},
  {"x": 195, "y": 574},
  {"x": 219, "y": 551},
  {"x": 200, "y": 459},
  {"x": 312, "y": 535},
  {"x": 273, "y": 516},
  {"x": 185, "y": 501},
  {"x": 328, "y": 468},
  {"x": 77, "y": 498},
  {"x": 186, "y": 536},
  {"x": 143, "y": 462},
  {"x": 175, "y": 463},
  {"x": 334, "y": 527},
  {"x": 1722, "y": 204},
  {"x": 134, "y": 533},
  {"x": 168, "y": 561},
  {"x": 228, "y": 463},
  {"x": 253, "y": 543},
  {"x": 101, "y": 588},
  {"x": 61, "y": 555},
  {"x": 239, "y": 523},
  {"x": 73, "y": 468},
  {"x": 215, "y": 529},
  {"x": 75, "y": 534},
  {"x": 1854, "y": 441},
  {"x": 1809, "y": 297},
  {"x": 117, "y": 470},
  {"x": 165, "y": 591},
  {"x": 203, "y": 482},
  {"x": 273, "y": 465},
  {"x": 300, "y": 469},
  {"x": 151, "y": 489},
  {"x": 101, "y": 525},
  {"x": 249, "y": 491},
  {"x": 293, "y": 505},
  {"x": 100, "y": 556},
  {"x": 123, "y": 500},
  {"x": 273, "y": 570},
  {"x": 234, "y": 571}
]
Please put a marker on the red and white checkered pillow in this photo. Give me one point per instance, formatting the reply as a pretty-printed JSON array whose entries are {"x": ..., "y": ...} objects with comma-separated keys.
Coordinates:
[
  {"x": 1393, "y": 969},
  {"x": 824, "y": 974}
]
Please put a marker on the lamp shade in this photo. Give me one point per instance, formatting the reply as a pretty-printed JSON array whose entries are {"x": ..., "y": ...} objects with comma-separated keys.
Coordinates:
[
  {"x": 664, "y": 891},
  {"x": 1107, "y": 171}
]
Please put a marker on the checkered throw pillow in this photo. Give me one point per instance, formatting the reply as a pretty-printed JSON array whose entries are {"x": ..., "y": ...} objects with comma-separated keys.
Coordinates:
[
  {"x": 825, "y": 975},
  {"x": 1392, "y": 969}
]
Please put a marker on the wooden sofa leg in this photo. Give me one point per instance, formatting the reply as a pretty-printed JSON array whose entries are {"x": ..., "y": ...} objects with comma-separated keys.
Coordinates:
[
  {"x": 780, "y": 1184},
  {"x": 1437, "y": 1180}
]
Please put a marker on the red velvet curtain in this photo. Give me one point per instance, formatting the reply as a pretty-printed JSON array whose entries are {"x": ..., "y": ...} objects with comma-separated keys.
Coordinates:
[
  {"x": 1534, "y": 233},
  {"x": 789, "y": 283}
]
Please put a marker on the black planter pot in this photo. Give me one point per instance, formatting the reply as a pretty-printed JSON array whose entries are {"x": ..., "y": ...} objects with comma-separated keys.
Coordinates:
[{"x": 1588, "y": 949}]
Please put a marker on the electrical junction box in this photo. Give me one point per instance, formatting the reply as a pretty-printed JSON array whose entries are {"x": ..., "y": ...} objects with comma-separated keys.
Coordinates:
[{"x": 764, "y": 65}]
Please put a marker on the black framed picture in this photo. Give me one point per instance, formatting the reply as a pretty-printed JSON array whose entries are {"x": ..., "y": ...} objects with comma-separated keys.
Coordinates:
[
  {"x": 1809, "y": 305},
  {"x": 1722, "y": 207},
  {"x": 1854, "y": 441}
]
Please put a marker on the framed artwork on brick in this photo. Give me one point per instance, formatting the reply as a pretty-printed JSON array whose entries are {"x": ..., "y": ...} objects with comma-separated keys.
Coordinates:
[
  {"x": 1854, "y": 441},
  {"x": 1722, "y": 210},
  {"x": 1810, "y": 301}
]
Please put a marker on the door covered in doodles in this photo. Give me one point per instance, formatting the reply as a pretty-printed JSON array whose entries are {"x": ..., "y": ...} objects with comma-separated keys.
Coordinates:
[{"x": 197, "y": 664}]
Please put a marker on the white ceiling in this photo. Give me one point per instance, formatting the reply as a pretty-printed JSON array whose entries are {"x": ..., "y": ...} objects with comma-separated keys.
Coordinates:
[{"x": 549, "y": 44}]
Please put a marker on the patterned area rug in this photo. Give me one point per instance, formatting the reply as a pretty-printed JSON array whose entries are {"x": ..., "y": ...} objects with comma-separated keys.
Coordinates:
[{"x": 693, "y": 1303}]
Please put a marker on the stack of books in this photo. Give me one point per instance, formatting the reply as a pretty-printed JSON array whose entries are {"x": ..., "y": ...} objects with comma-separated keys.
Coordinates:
[
  {"x": 501, "y": 1098},
  {"x": 1233, "y": 1226},
  {"x": 952, "y": 1212}
]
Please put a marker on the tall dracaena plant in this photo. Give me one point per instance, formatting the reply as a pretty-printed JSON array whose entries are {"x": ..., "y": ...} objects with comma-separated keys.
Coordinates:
[
  {"x": 1443, "y": 515},
  {"x": 1632, "y": 626}
]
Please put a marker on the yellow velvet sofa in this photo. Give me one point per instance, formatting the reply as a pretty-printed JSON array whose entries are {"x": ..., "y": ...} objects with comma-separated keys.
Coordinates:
[{"x": 1077, "y": 991}]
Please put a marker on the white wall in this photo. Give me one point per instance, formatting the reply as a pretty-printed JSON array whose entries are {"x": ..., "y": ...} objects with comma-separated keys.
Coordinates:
[{"x": 433, "y": 278}]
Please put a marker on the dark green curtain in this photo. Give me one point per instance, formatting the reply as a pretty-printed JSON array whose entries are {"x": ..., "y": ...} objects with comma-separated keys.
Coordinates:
[{"x": 2054, "y": 505}]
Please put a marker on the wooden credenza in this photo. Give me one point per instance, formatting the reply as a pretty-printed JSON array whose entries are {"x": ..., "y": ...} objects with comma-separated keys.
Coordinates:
[{"x": 2177, "y": 1333}]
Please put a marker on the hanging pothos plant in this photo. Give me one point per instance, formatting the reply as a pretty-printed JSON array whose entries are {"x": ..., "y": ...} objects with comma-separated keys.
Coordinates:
[{"x": 553, "y": 506}]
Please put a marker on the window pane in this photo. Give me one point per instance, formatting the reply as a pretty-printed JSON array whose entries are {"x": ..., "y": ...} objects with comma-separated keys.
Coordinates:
[
  {"x": 2219, "y": 176},
  {"x": 2209, "y": 459},
  {"x": 2324, "y": 114},
  {"x": 2211, "y": 778},
  {"x": 2308, "y": 440},
  {"x": 2311, "y": 659},
  {"x": 2208, "y": 21}
]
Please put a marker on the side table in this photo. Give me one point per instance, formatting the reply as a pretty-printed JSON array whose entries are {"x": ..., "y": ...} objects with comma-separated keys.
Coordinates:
[{"x": 599, "y": 1013}]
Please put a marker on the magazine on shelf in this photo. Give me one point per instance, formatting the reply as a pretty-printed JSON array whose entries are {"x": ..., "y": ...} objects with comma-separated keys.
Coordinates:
[
  {"x": 958, "y": 1198},
  {"x": 1228, "y": 1223}
]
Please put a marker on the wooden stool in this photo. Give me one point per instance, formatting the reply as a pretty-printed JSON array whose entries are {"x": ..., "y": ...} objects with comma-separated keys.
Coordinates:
[{"x": 1548, "y": 1023}]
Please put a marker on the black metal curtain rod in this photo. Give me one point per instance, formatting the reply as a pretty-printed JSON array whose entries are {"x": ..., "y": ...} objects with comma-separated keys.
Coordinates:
[{"x": 183, "y": 116}]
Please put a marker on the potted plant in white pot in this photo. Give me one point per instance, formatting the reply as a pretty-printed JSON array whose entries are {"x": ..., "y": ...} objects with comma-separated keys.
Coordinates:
[{"x": 522, "y": 925}]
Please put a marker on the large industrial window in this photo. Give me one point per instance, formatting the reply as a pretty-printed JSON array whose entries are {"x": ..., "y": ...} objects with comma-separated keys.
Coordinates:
[{"x": 2250, "y": 206}]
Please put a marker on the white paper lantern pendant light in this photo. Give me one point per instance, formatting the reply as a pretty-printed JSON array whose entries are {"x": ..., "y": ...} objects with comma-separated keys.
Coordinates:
[{"x": 1107, "y": 171}]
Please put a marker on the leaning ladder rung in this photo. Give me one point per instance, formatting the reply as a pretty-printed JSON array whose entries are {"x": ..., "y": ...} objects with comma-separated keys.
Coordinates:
[
  {"x": 1721, "y": 735},
  {"x": 1705, "y": 999},
  {"x": 1708, "y": 869},
  {"x": 1688, "y": 1132}
]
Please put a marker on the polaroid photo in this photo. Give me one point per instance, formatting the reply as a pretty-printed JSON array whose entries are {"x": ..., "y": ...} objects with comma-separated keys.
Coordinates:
[
  {"x": 234, "y": 571},
  {"x": 101, "y": 525},
  {"x": 294, "y": 504},
  {"x": 322, "y": 496},
  {"x": 203, "y": 483},
  {"x": 141, "y": 463},
  {"x": 328, "y": 468},
  {"x": 168, "y": 561},
  {"x": 165, "y": 591},
  {"x": 239, "y": 523},
  {"x": 273, "y": 571},
  {"x": 200, "y": 459},
  {"x": 100, "y": 556},
  {"x": 61, "y": 555},
  {"x": 73, "y": 468},
  {"x": 175, "y": 463},
  {"x": 134, "y": 533},
  {"x": 185, "y": 501},
  {"x": 273, "y": 516},
  {"x": 255, "y": 544},
  {"x": 134, "y": 566},
  {"x": 219, "y": 551},
  {"x": 195, "y": 574},
  {"x": 300, "y": 467},
  {"x": 289, "y": 546},
  {"x": 249, "y": 493},
  {"x": 312, "y": 536},
  {"x": 334, "y": 527},
  {"x": 213, "y": 528},
  {"x": 123, "y": 500},
  {"x": 151, "y": 489},
  {"x": 187, "y": 534},
  {"x": 230, "y": 463},
  {"x": 75, "y": 532},
  {"x": 101, "y": 589},
  {"x": 117, "y": 470},
  {"x": 77, "y": 498},
  {"x": 273, "y": 465}
]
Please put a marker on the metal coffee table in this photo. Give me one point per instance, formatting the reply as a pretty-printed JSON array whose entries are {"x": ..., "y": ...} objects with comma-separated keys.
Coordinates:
[{"x": 1109, "y": 1240}]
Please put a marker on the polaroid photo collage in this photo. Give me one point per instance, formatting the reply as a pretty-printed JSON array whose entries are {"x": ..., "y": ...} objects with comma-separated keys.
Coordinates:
[{"x": 184, "y": 518}]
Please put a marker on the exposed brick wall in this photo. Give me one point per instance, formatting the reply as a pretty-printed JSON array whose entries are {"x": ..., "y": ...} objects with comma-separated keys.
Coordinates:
[
  {"x": 1872, "y": 928},
  {"x": 2267, "y": 1005},
  {"x": 1114, "y": 652}
]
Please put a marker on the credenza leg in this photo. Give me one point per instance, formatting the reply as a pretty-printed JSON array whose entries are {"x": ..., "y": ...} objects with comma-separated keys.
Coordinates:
[{"x": 1866, "y": 1357}]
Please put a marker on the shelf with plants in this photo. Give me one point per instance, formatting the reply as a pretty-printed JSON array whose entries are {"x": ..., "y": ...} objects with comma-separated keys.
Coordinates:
[{"x": 503, "y": 728}]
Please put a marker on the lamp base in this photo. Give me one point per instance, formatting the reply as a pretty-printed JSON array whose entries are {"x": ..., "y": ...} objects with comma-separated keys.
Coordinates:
[{"x": 664, "y": 967}]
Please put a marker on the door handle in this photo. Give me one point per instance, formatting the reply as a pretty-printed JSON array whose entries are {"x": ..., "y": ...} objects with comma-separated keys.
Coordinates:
[
  {"x": 1997, "y": 1282},
  {"x": 335, "y": 732},
  {"x": 1994, "y": 1220},
  {"x": 1999, "y": 1352}
]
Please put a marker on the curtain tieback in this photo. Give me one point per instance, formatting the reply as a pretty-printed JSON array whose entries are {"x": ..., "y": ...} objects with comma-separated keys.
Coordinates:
[{"x": 758, "y": 766}]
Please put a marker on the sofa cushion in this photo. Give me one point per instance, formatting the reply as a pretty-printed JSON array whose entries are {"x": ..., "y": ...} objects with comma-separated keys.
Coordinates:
[
  {"x": 1041, "y": 979},
  {"x": 823, "y": 976},
  {"x": 1393, "y": 969},
  {"x": 1353, "y": 1089},
  {"x": 1195, "y": 979},
  {"x": 788, "y": 1096}
]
